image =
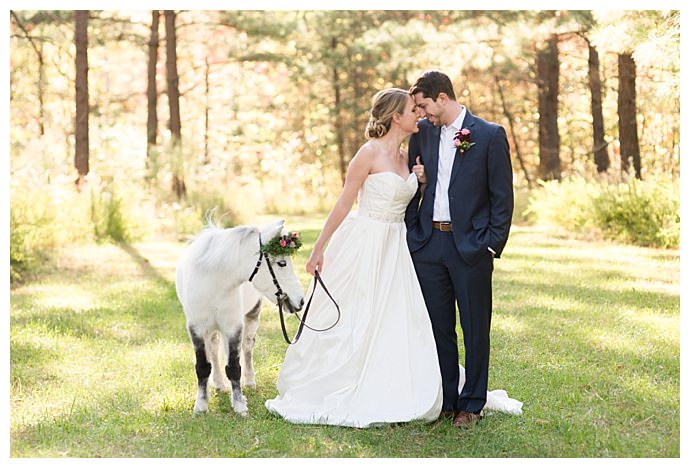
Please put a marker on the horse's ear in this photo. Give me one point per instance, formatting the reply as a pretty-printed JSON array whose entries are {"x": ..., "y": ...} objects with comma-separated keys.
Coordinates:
[{"x": 271, "y": 230}]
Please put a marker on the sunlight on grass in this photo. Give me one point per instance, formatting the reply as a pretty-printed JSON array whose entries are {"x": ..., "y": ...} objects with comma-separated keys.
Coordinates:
[
  {"x": 509, "y": 324},
  {"x": 650, "y": 390},
  {"x": 67, "y": 296},
  {"x": 612, "y": 341},
  {"x": 586, "y": 334}
]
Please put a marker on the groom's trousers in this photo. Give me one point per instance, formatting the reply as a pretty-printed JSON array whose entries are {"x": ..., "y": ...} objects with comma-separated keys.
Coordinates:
[{"x": 446, "y": 280}]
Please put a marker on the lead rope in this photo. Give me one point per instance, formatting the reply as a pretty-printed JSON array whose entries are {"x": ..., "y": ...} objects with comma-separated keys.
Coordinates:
[
  {"x": 280, "y": 298},
  {"x": 303, "y": 319}
]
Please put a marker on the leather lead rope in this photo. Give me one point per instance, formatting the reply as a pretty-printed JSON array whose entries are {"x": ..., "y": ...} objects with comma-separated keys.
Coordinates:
[
  {"x": 282, "y": 297},
  {"x": 303, "y": 319}
]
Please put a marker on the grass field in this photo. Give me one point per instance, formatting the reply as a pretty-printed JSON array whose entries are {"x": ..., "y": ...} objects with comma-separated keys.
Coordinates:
[{"x": 586, "y": 334}]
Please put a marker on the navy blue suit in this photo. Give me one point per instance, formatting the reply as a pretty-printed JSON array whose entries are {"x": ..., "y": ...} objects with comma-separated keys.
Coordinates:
[{"x": 456, "y": 267}]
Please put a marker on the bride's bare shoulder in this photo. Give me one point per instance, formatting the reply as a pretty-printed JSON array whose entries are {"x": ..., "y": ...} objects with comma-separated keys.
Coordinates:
[
  {"x": 366, "y": 152},
  {"x": 369, "y": 148}
]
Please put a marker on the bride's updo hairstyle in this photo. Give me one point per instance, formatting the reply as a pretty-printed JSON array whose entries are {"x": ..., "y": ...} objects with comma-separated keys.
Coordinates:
[{"x": 384, "y": 105}]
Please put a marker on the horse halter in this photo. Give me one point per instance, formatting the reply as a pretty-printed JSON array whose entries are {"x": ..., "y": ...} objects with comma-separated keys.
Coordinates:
[{"x": 282, "y": 297}]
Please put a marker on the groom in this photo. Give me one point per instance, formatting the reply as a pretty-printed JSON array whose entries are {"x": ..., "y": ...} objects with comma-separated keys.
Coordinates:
[{"x": 458, "y": 222}]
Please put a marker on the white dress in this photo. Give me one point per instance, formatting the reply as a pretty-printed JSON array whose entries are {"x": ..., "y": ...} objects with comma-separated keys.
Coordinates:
[{"x": 378, "y": 364}]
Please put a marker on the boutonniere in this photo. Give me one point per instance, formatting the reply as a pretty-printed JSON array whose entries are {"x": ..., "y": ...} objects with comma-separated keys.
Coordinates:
[{"x": 463, "y": 140}]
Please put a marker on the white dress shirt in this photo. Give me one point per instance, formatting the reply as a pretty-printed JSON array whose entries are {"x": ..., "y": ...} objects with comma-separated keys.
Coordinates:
[{"x": 446, "y": 156}]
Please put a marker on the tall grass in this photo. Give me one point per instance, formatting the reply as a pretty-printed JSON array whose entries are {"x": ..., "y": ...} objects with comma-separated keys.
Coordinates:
[
  {"x": 645, "y": 213},
  {"x": 47, "y": 213},
  {"x": 46, "y": 217},
  {"x": 32, "y": 232},
  {"x": 108, "y": 215}
]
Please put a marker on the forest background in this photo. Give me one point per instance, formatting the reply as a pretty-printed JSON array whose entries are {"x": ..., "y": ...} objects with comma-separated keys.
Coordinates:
[{"x": 127, "y": 125}]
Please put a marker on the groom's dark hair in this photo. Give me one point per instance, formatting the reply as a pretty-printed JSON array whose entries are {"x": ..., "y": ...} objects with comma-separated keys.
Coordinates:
[{"x": 432, "y": 83}]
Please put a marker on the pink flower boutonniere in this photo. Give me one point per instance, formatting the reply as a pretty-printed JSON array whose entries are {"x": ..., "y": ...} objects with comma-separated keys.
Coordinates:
[{"x": 463, "y": 140}]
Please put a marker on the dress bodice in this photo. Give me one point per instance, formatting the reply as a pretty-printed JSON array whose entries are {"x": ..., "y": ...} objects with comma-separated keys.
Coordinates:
[{"x": 385, "y": 195}]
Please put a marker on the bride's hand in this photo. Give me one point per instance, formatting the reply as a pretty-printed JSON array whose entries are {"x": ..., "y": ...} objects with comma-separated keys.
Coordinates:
[
  {"x": 315, "y": 262},
  {"x": 418, "y": 169}
]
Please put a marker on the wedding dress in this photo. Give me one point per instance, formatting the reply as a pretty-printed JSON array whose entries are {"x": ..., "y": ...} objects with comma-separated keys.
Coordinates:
[{"x": 378, "y": 364}]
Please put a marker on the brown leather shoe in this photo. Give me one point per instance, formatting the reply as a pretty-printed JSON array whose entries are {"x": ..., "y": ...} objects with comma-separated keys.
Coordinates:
[
  {"x": 447, "y": 414},
  {"x": 465, "y": 419}
]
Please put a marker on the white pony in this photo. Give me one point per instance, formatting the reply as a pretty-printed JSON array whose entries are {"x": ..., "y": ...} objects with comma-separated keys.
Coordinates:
[{"x": 222, "y": 306}]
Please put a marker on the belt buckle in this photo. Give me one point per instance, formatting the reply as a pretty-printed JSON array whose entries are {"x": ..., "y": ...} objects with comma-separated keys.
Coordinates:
[{"x": 444, "y": 227}]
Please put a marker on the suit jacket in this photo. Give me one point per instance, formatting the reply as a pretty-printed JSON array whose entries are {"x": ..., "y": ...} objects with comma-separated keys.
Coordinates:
[{"x": 480, "y": 192}]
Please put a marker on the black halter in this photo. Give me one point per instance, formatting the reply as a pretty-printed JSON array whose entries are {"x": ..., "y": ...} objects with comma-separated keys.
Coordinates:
[
  {"x": 282, "y": 297},
  {"x": 258, "y": 262},
  {"x": 279, "y": 291}
]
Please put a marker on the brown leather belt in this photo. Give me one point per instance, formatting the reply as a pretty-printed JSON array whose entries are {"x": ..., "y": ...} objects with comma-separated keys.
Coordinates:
[{"x": 445, "y": 227}]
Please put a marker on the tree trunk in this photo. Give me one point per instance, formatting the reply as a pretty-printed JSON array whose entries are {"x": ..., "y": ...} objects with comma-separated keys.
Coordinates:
[
  {"x": 547, "y": 82},
  {"x": 337, "y": 120},
  {"x": 627, "y": 114},
  {"x": 207, "y": 105},
  {"x": 81, "y": 128},
  {"x": 511, "y": 124},
  {"x": 599, "y": 145},
  {"x": 41, "y": 92},
  {"x": 178, "y": 184},
  {"x": 152, "y": 89}
]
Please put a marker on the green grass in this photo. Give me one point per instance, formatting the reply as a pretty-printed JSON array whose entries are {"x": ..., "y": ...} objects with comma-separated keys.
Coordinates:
[{"x": 586, "y": 334}]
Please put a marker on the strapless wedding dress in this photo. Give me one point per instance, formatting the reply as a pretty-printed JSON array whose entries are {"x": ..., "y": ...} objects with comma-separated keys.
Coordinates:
[{"x": 378, "y": 364}]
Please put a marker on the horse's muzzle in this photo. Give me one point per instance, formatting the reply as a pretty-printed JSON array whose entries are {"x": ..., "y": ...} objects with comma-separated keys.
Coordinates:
[{"x": 292, "y": 308}]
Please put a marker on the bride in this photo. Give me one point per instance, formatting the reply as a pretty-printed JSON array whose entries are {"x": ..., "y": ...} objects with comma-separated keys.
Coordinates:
[{"x": 378, "y": 364}]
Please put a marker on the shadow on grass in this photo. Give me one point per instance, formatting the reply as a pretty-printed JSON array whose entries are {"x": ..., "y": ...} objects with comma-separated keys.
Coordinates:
[
  {"x": 144, "y": 264},
  {"x": 29, "y": 362},
  {"x": 140, "y": 317}
]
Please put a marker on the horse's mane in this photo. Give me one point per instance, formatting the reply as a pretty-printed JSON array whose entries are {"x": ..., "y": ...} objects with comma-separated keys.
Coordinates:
[{"x": 216, "y": 248}]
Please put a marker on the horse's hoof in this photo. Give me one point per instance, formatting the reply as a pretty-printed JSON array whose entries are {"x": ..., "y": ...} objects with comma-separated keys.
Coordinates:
[
  {"x": 200, "y": 408},
  {"x": 240, "y": 406}
]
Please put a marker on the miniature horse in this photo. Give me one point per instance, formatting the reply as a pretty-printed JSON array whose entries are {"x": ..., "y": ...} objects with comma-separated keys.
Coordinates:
[{"x": 219, "y": 281}]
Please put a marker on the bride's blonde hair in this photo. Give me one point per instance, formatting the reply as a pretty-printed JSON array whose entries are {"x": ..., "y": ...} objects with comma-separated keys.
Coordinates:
[{"x": 384, "y": 105}]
